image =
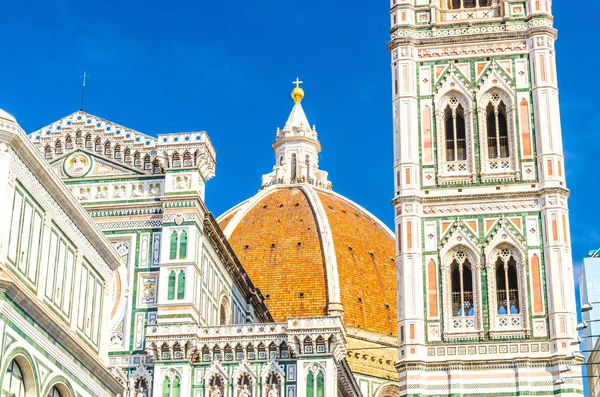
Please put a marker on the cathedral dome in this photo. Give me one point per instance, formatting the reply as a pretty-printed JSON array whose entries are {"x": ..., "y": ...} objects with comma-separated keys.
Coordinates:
[{"x": 313, "y": 252}]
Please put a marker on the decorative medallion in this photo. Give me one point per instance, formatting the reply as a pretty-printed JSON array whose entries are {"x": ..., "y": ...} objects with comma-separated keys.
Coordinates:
[
  {"x": 178, "y": 219},
  {"x": 77, "y": 164}
]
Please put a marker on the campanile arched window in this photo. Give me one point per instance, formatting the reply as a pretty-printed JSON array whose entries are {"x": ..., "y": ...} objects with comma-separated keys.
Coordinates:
[
  {"x": 461, "y": 286},
  {"x": 507, "y": 301},
  {"x": 497, "y": 135},
  {"x": 507, "y": 285},
  {"x": 497, "y": 128},
  {"x": 461, "y": 295},
  {"x": 456, "y": 143}
]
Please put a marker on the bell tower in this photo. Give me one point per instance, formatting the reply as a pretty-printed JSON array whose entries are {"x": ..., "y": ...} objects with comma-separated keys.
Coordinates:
[{"x": 486, "y": 291}]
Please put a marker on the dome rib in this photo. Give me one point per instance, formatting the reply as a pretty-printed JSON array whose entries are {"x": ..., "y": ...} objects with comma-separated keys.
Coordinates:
[
  {"x": 301, "y": 240},
  {"x": 334, "y": 300}
]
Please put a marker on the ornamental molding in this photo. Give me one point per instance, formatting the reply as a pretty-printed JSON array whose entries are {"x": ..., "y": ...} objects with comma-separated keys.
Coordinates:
[
  {"x": 459, "y": 32},
  {"x": 469, "y": 50},
  {"x": 480, "y": 208},
  {"x": 148, "y": 224}
]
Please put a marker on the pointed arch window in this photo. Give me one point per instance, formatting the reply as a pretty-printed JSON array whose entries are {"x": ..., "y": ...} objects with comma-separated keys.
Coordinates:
[
  {"x": 461, "y": 285},
  {"x": 88, "y": 141},
  {"x": 461, "y": 296},
  {"x": 48, "y": 152},
  {"x": 188, "y": 160},
  {"x": 456, "y": 143},
  {"x": 137, "y": 159},
  {"x": 117, "y": 152},
  {"x": 68, "y": 142},
  {"x": 178, "y": 245},
  {"x": 183, "y": 245},
  {"x": 181, "y": 285},
  {"x": 107, "y": 149},
  {"x": 175, "y": 388},
  {"x": 98, "y": 145},
  {"x": 173, "y": 246},
  {"x": 315, "y": 384},
  {"x": 127, "y": 155},
  {"x": 58, "y": 147},
  {"x": 171, "y": 286},
  {"x": 176, "y": 160},
  {"x": 78, "y": 139},
  {"x": 497, "y": 138},
  {"x": 497, "y": 128},
  {"x": 166, "y": 389},
  {"x": 157, "y": 169},
  {"x": 507, "y": 284},
  {"x": 508, "y": 299},
  {"x": 147, "y": 163}
]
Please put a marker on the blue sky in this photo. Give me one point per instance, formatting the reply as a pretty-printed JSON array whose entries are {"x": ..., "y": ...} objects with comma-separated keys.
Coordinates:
[{"x": 227, "y": 68}]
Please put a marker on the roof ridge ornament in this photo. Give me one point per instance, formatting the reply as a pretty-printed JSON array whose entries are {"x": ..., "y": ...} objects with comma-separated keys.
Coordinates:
[{"x": 297, "y": 93}]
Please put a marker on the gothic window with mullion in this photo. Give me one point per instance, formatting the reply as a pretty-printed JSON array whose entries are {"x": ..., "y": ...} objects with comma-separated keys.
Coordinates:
[
  {"x": 454, "y": 139},
  {"x": 507, "y": 295},
  {"x": 497, "y": 137},
  {"x": 461, "y": 296}
]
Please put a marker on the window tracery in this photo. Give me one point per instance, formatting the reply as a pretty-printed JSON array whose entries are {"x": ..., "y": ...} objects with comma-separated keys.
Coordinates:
[
  {"x": 454, "y": 138},
  {"x": 507, "y": 291},
  {"x": 497, "y": 136},
  {"x": 462, "y": 300}
]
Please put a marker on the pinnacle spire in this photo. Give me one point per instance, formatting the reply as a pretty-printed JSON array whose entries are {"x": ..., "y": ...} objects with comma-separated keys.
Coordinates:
[{"x": 297, "y": 149}]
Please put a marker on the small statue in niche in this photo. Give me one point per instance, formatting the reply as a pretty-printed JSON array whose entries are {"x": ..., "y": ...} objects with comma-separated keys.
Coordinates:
[
  {"x": 245, "y": 392},
  {"x": 273, "y": 392}
]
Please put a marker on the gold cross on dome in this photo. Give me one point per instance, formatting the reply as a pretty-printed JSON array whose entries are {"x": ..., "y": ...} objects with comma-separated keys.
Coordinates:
[{"x": 298, "y": 82}]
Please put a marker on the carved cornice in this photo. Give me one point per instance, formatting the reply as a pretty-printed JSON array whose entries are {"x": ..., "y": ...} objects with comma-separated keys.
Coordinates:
[
  {"x": 470, "y": 32},
  {"x": 476, "y": 196}
]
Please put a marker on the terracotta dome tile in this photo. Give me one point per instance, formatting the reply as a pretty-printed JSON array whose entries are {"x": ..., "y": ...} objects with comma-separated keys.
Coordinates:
[
  {"x": 278, "y": 243},
  {"x": 266, "y": 241},
  {"x": 367, "y": 274}
]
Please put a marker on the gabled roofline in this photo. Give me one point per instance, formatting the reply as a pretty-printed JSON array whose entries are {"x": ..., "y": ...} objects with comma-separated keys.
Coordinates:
[{"x": 14, "y": 136}]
